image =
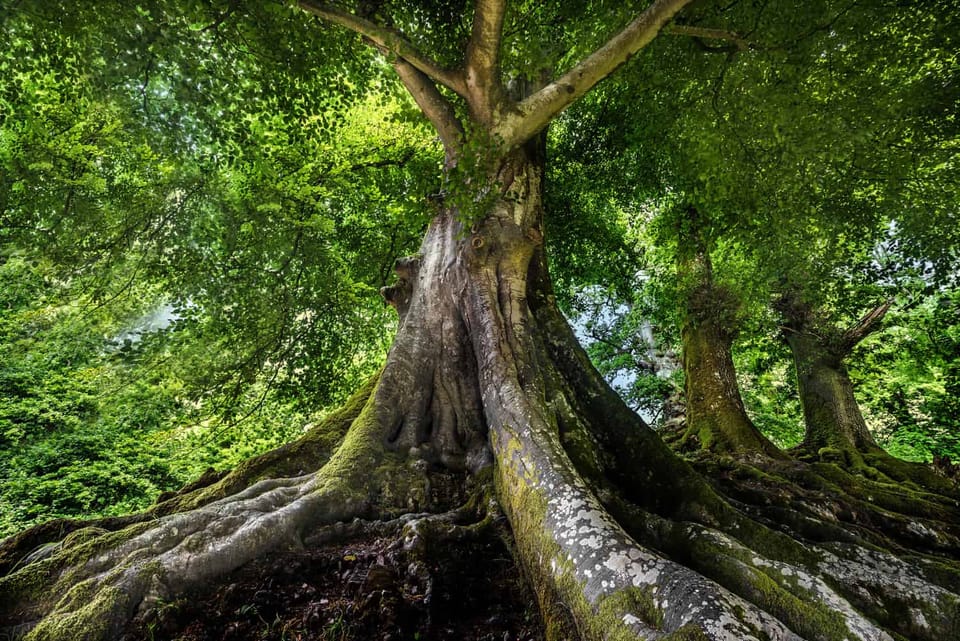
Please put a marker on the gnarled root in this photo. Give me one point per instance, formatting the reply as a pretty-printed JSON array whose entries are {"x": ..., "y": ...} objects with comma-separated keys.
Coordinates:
[
  {"x": 426, "y": 575},
  {"x": 305, "y": 455},
  {"x": 89, "y": 587}
]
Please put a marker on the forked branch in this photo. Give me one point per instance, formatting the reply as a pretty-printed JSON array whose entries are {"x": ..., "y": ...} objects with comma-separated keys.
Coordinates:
[
  {"x": 483, "y": 58},
  {"x": 533, "y": 113}
]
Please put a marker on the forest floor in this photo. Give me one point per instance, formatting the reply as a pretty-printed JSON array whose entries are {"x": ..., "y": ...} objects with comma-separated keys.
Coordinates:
[{"x": 370, "y": 589}]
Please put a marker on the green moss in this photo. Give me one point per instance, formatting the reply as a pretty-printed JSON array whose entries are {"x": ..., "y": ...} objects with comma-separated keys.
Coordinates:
[
  {"x": 307, "y": 453},
  {"x": 37, "y": 586},
  {"x": 88, "y": 609},
  {"x": 780, "y": 595},
  {"x": 567, "y": 613},
  {"x": 83, "y": 535},
  {"x": 638, "y": 601},
  {"x": 361, "y": 455},
  {"x": 832, "y": 455},
  {"x": 23, "y": 590},
  {"x": 94, "y": 619}
]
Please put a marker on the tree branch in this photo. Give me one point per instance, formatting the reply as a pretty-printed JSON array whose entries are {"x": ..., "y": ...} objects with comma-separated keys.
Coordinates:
[
  {"x": 435, "y": 107},
  {"x": 388, "y": 40},
  {"x": 533, "y": 113},
  {"x": 704, "y": 33},
  {"x": 483, "y": 58},
  {"x": 869, "y": 323}
]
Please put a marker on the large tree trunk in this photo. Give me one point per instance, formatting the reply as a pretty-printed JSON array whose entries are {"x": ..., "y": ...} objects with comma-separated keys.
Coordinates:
[
  {"x": 620, "y": 539},
  {"x": 486, "y": 384}
]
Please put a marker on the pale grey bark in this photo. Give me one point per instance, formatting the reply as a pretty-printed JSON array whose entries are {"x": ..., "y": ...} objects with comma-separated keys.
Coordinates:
[{"x": 533, "y": 113}]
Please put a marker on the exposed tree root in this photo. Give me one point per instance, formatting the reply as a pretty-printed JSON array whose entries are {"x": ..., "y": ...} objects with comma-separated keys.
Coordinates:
[
  {"x": 306, "y": 454},
  {"x": 89, "y": 586},
  {"x": 620, "y": 539},
  {"x": 825, "y": 502},
  {"x": 421, "y": 576}
]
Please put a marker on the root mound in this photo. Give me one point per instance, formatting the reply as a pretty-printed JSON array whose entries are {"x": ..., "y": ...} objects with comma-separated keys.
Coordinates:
[{"x": 368, "y": 589}]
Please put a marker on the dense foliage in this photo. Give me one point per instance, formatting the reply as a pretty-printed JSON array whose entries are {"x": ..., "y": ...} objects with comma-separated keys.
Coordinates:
[{"x": 202, "y": 201}]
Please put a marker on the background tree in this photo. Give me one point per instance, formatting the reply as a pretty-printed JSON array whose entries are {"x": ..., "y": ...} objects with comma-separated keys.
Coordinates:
[{"x": 791, "y": 196}]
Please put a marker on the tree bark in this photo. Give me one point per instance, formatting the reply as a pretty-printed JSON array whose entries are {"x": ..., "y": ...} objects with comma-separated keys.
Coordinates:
[
  {"x": 716, "y": 417},
  {"x": 486, "y": 378},
  {"x": 715, "y": 410},
  {"x": 834, "y": 424},
  {"x": 835, "y": 429},
  {"x": 619, "y": 537}
]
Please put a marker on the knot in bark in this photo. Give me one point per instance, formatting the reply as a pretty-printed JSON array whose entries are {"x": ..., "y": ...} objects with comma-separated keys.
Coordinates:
[
  {"x": 398, "y": 296},
  {"x": 407, "y": 267}
]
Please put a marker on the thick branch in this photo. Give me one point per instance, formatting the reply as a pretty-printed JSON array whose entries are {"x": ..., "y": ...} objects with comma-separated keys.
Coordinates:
[
  {"x": 435, "y": 107},
  {"x": 869, "y": 323},
  {"x": 483, "y": 58},
  {"x": 386, "y": 39},
  {"x": 533, "y": 113}
]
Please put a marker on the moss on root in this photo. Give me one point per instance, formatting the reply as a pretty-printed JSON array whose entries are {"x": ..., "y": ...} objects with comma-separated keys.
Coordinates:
[
  {"x": 92, "y": 620},
  {"x": 561, "y": 595},
  {"x": 774, "y": 591},
  {"x": 636, "y": 600},
  {"x": 689, "y": 632},
  {"x": 308, "y": 453},
  {"x": 57, "y": 587},
  {"x": 36, "y": 587}
]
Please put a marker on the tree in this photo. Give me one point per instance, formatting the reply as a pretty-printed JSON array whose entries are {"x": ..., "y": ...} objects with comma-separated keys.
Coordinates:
[
  {"x": 791, "y": 196},
  {"x": 715, "y": 412},
  {"x": 835, "y": 425},
  {"x": 619, "y": 538}
]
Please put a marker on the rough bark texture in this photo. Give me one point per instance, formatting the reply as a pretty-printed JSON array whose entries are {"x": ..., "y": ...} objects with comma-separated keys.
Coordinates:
[
  {"x": 486, "y": 384},
  {"x": 619, "y": 538},
  {"x": 835, "y": 429},
  {"x": 715, "y": 411},
  {"x": 834, "y": 423},
  {"x": 716, "y": 418}
]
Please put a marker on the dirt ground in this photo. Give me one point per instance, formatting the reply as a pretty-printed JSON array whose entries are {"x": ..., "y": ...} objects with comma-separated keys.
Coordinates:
[{"x": 368, "y": 590}]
